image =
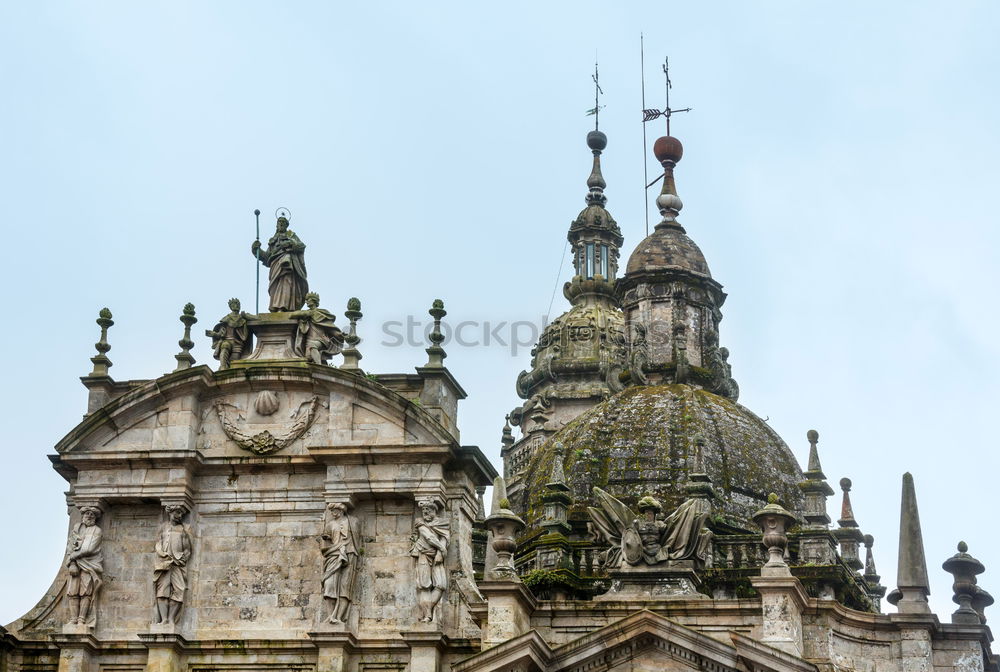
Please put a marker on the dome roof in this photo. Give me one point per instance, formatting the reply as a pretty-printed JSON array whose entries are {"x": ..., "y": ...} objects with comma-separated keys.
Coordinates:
[
  {"x": 641, "y": 441},
  {"x": 595, "y": 217},
  {"x": 667, "y": 248}
]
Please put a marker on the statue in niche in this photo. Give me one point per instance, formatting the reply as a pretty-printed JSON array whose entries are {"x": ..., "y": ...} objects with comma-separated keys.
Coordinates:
[
  {"x": 340, "y": 545},
  {"x": 317, "y": 338},
  {"x": 86, "y": 567},
  {"x": 285, "y": 256},
  {"x": 430, "y": 547},
  {"x": 173, "y": 550},
  {"x": 231, "y": 336},
  {"x": 649, "y": 538}
]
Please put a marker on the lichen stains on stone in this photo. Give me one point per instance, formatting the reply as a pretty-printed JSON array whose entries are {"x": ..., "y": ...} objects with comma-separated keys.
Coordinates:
[{"x": 641, "y": 442}]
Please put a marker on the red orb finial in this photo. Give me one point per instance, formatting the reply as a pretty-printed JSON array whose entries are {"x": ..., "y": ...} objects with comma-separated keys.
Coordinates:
[{"x": 668, "y": 148}]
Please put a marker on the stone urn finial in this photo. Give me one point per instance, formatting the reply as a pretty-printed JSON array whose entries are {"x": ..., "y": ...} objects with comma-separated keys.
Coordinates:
[
  {"x": 964, "y": 568},
  {"x": 505, "y": 526},
  {"x": 774, "y": 522}
]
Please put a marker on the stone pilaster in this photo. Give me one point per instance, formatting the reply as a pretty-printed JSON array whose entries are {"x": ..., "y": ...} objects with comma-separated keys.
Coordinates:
[
  {"x": 425, "y": 649},
  {"x": 76, "y": 652},
  {"x": 333, "y": 650},
  {"x": 166, "y": 650},
  {"x": 509, "y": 613},
  {"x": 782, "y": 600}
]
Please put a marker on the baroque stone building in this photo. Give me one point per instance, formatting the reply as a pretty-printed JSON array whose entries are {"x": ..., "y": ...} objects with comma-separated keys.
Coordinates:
[{"x": 289, "y": 510}]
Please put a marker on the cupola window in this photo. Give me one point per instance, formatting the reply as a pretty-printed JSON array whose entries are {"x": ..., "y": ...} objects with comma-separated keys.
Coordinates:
[{"x": 590, "y": 260}]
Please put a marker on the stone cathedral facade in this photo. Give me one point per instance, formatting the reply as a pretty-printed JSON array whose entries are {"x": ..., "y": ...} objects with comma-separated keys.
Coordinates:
[{"x": 289, "y": 510}]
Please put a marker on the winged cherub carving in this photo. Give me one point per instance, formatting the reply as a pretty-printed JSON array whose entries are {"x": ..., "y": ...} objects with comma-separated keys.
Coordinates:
[{"x": 649, "y": 539}]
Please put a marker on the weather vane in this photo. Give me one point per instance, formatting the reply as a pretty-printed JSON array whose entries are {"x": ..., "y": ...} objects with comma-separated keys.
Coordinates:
[
  {"x": 596, "y": 111},
  {"x": 650, "y": 114}
]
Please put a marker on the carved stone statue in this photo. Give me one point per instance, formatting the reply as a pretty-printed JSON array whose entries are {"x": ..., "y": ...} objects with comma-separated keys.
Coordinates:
[
  {"x": 86, "y": 567},
  {"x": 173, "y": 550},
  {"x": 287, "y": 284},
  {"x": 430, "y": 547},
  {"x": 649, "y": 539},
  {"x": 231, "y": 335},
  {"x": 317, "y": 338},
  {"x": 340, "y": 545}
]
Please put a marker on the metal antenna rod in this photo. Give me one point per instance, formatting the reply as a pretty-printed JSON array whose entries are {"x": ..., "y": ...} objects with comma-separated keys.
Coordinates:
[
  {"x": 645, "y": 163},
  {"x": 666, "y": 89},
  {"x": 256, "y": 214}
]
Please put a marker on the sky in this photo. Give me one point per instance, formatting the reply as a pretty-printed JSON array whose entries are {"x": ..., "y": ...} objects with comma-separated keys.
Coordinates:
[{"x": 838, "y": 163}]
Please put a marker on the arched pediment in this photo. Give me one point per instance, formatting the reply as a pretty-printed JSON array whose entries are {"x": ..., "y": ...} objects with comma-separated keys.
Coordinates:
[
  {"x": 642, "y": 642},
  {"x": 254, "y": 411}
]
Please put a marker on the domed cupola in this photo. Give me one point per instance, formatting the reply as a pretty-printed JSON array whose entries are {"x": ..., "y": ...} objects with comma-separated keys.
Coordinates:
[
  {"x": 671, "y": 303},
  {"x": 678, "y": 406},
  {"x": 580, "y": 356}
]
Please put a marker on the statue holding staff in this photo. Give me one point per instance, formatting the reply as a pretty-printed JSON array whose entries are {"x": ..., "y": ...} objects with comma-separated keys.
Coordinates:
[{"x": 285, "y": 256}]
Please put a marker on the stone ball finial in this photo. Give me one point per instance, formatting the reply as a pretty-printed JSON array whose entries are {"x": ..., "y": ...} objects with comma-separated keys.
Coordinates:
[
  {"x": 668, "y": 148},
  {"x": 354, "y": 303},
  {"x": 812, "y": 435},
  {"x": 963, "y": 547},
  {"x": 869, "y": 541},
  {"x": 105, "y": 314},
  {"x": 845, "y": 484},
  {"x": 597, "y": 141}
]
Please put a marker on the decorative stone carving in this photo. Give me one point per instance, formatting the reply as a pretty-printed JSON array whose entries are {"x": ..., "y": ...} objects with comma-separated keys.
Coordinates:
[
  {"x": 173, "y": 550},
  {"x": 266, "y": 403},
  {"x": 341, "y": 545},
  {"x": 964, "y": 568},
  {"x": 430, "y": 547},
  {"x": 265, "y": 442},
  {"x": 231, "y": 336},
  {"x": 505, "y": 525},
  {"x": 774, "y": 522},
  {"x": 317, "y": 338},
  {"x": 86, "y": 568},
  {"x": 285, "y": 256},
  {"x": 649, "y": 539},
  {"x": 185, "y": 360}
]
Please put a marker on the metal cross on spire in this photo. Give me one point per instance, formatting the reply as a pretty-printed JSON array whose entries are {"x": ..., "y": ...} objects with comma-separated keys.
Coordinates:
[
  {"x": 598, "y": 92},
  {"x": 651, "y": 114}
]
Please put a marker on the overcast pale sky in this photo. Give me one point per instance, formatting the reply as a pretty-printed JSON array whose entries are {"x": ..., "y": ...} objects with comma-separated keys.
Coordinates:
[{"x": 837, "y": 174}]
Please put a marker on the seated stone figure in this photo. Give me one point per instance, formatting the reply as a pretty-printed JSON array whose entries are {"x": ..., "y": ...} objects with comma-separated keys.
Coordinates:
[
  {"x": 231, "y": 336},
  {"x": 317, "y": 338}
]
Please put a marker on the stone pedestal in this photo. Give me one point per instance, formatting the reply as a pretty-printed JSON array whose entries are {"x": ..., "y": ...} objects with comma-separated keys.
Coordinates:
[
  {"x": 76, "y": 651},
  {"x": 274, "y": 334},
  {"x": 166, "y": 649},
  {"x": 509, "y": 608},
  {"x": 916, "y": 646},
  {"x": 653, "y": 583},
  {"x": 425, "y": 649},
  {"x": 782, "y": 599},
  {"x": 333, "y": 649}
]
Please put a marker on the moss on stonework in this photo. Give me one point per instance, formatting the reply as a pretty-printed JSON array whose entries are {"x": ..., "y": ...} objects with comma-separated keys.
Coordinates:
[{"x": 640, "y": 442}]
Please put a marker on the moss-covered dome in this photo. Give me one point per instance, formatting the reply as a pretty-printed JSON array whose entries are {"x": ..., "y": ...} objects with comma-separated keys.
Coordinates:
[
  {"x": 641, "y": 441},
  {"x": 667, "y": 248}
]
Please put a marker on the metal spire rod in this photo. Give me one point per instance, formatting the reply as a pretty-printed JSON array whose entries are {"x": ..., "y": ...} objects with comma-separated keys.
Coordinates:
[
  {"x": 256, "y": 214},
  {"x": 645, "y": 164},
  {"x": 598, "y": 91}
]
